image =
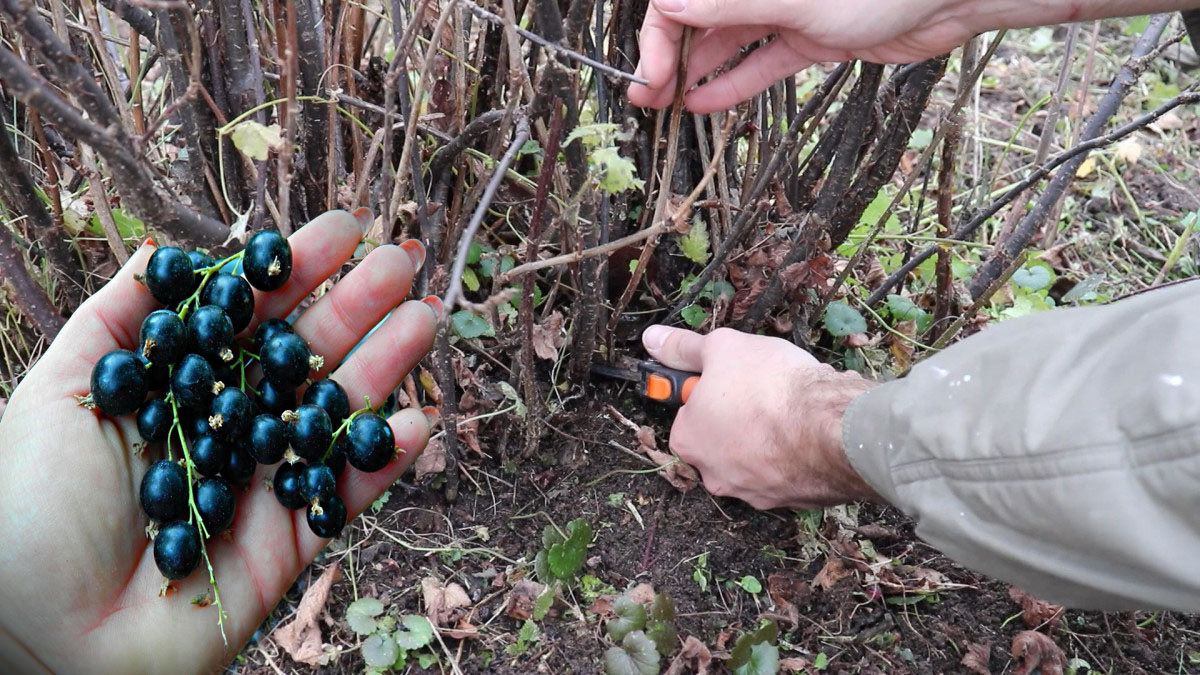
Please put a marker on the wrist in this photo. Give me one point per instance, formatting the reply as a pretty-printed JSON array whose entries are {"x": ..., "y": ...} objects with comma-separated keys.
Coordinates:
[{"x": 852, "y": 483}]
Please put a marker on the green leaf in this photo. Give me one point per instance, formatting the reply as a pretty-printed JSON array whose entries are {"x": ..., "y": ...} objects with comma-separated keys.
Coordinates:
[
  {"x": 635, "y": 656},
  {"x": 593, "y": 135},
  {"x": 631, "y": 616},
  {"x": 694, "y": 315},
  {"x": 614, "y": 173},
  {"x": 694, "y": 244},
  {"x": 474, "y": 251},
  {"x": 903, "y": 309},
  {"x": 616, "y": 500},
  {"x": 541, "y": 569},
  {"x": 566, "y": 559},
  {"x": 660, "y": 627},
  {"x": 380, "y": 651},
  {"x": 842, "y": 320},
  {"x": 377, "y": 505},
  {"x": 920, "y": 139},
  {"x": 543, "y": 603},
  {"x": 255, "y": 140},
  {"x": 750, "y": 585},
  {"x": 470, "y": 326},
  {"x": 764, "y": 660},
  {"x": 415, "y": 632},
  {"x": 486, "y": 658},
  {"x": 426, "y": 659},
  {"x": 361, "y": 615},
  {"x": 875, "y": 211},
  {"x": 739, "y": 656},
  {"x": 510, "y": 394},
  {"x": 470, "y": 280},
  {"x": 1033, "y": 277},
  {"x": 821, "y": 662}
]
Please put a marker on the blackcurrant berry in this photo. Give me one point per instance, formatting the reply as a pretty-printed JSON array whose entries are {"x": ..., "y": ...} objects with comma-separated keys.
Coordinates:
[
  {"x": 154, "y": 420},
  {"x": 267, "y": 439},
  {"x": 317, "y": 483},
  {"x": 287, "y": 486},
  {"x": 177, "y": 550},
  {"x": 169, "y": 276},
  {"x": 241, "y": 467},
  {"x": 268, "y": 260},
  {"x": 309, "y": 431},
  {"x": 195, "y": 424},
  {"x": 232, "y": 294},
  {"x": 329, "y": 395},
  {"x": 226, "y": 374},
  {"x": 119, "y": 383},
  {"x": 215, "y": 502},
  {"x": 231, "y": 413},
  {"x": 286, "y": 360},
  {"x": 372, "y": 443},
  {"x": 163, "y": 337},
  {"x": 274, "y": 400},
  {"x": 210, "y": 334},
  {"x": 164, "y": 491},
  {"x": 201, "y": 260},
  {"x": 192, "y": 382},
  {"x": 158, "y": 374},
  {"x": 210, "y": 454},
  {"x": 269, "y": 329},
  {"x": 330, "y": 520},
  {"x": 336, "y": 461}
]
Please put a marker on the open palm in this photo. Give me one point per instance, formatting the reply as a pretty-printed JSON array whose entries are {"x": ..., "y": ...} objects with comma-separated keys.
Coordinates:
[{"x": 79, "y": 589}]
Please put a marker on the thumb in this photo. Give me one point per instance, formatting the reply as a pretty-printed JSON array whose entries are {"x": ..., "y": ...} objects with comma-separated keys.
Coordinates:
[
  {"x": 675, "y": 347},
  {"x": 722, "y": 13}
]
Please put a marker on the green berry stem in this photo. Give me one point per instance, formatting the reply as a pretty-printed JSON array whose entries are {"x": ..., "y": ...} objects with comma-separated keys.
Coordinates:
[
  {"x": 346, "y": 425},
  {"x": 208, "y": 272},
  {"x": 195, "y": 518}
]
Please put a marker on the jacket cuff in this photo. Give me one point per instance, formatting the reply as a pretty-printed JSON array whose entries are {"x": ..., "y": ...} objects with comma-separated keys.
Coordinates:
[{"x": 867, "y": 441}]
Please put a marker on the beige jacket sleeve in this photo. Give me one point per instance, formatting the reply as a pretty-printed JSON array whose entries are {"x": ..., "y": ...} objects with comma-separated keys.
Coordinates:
[{"x": 1059, "y": 452}]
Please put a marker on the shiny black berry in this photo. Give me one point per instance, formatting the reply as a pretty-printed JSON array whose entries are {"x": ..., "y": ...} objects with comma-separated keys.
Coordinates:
[
  {"x": 372, "y": 443},
  {"x": 336, "y": 460},
  {"x": 154, "y": 420},
  {"x": 195, "y": 424},
  {"x": 163, "y": 337},
  {"x": 158, "y": 374},
  {"x": 169, "y": 276},
  {"x": 241, "y": 467},
  {"x": 210, "y": 334},
  {"x": 332, "y": 517},
  {"x": 274, "y": 400},
  {"x": 164, "y": 491},
  {"x": 232, "y": 294},
  {"x": 231, "y": 413},
  {"x": 310, "y": 432},
  {"x": 210, "y": 454},
  {"x": 317, "y": 483},
  {"x": 267, "y": 440},
  {"x": 269, "y": 329},
  {"x": 268, "y": 260},
  {"x": 287, "y": 486},
  {"x": 177, "y": 550},
  {"x": 201, "y": 260},
  {"x": 119, "y": 383},
  {"x": 192, "y": 382},
  {"x": 227, "y": 374},
  {"x": 329, "y": 395},
  {"x": 286, "y": 360},
  {"x": 215, "y": 502}
]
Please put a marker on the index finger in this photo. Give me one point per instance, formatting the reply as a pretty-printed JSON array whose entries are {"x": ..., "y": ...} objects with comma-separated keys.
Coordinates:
[{"x": 660, "y": 42}]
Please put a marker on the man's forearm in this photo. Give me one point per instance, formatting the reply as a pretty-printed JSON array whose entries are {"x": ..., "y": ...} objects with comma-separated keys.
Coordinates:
[
  {"x": 985, "y": 15},
  {"x": 1059, "y": 452}
]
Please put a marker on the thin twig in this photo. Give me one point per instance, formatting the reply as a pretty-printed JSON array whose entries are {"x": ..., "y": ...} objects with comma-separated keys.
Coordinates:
[{"x": 534, "y": 37}]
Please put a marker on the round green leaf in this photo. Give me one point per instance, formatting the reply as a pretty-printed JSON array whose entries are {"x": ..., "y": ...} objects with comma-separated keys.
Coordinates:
[
  {"x": 361, "y": 615},
  {"x": 380, "y": 651},
  {"x": 415, "y": 632},
  {"x": 842, "y": 320},
  {"x": 470, "y": 326},
  {"x": 750, "y": 585},
  {"x": 631, "y": 616},
  {"x": 1033, "y": 278}
]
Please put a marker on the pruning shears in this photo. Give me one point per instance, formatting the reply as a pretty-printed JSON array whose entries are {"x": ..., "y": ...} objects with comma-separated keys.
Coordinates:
[{"x": 654, "y": 380}]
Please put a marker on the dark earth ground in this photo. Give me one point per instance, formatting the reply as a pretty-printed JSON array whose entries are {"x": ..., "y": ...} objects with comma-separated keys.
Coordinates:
[{"x": 937, "y": 615}]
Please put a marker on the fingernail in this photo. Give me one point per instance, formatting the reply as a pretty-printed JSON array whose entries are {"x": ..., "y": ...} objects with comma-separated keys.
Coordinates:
[
  {"x": 149, "y": 242},
  {"x": 655, "y": 337},
  {"x": 435, "y": 303},
  {"x": 415, "y": 250},
  {"x": 364, "y": 217},
  {"x": 670, "y": 5},
  {"x": 431, "y": 415}
]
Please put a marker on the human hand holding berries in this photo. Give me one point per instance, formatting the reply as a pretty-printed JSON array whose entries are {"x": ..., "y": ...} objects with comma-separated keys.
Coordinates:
[{"x": 78, "y": 579}]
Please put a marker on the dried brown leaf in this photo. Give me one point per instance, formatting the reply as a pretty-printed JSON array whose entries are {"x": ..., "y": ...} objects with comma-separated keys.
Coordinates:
[
  {"x": 1038, "y": 652},
  {"x": 444, "y": 603},
  {"x": 902, "y": 350},
  {"x": 643, "y": 593},
  {"x": 301, "y": 638},
  {"x": 834, "y": 571},
  {"x": 520, "y": 601},
  {"x": 548, "y": 337},
  {"x": 431, "y": 461},
  {"x": 794, "y": 664},
  {"x": 1035, "y": 612},
  {"x": 677, "y": 472},
  {"x": 694, "y": 657},
  {"x": 645, "y": 439},
  {"x": 977, "y": 657}
]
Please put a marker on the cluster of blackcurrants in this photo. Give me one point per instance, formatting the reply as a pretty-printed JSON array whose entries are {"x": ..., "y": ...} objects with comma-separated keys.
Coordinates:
[{"x": 190, "y": 359}]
